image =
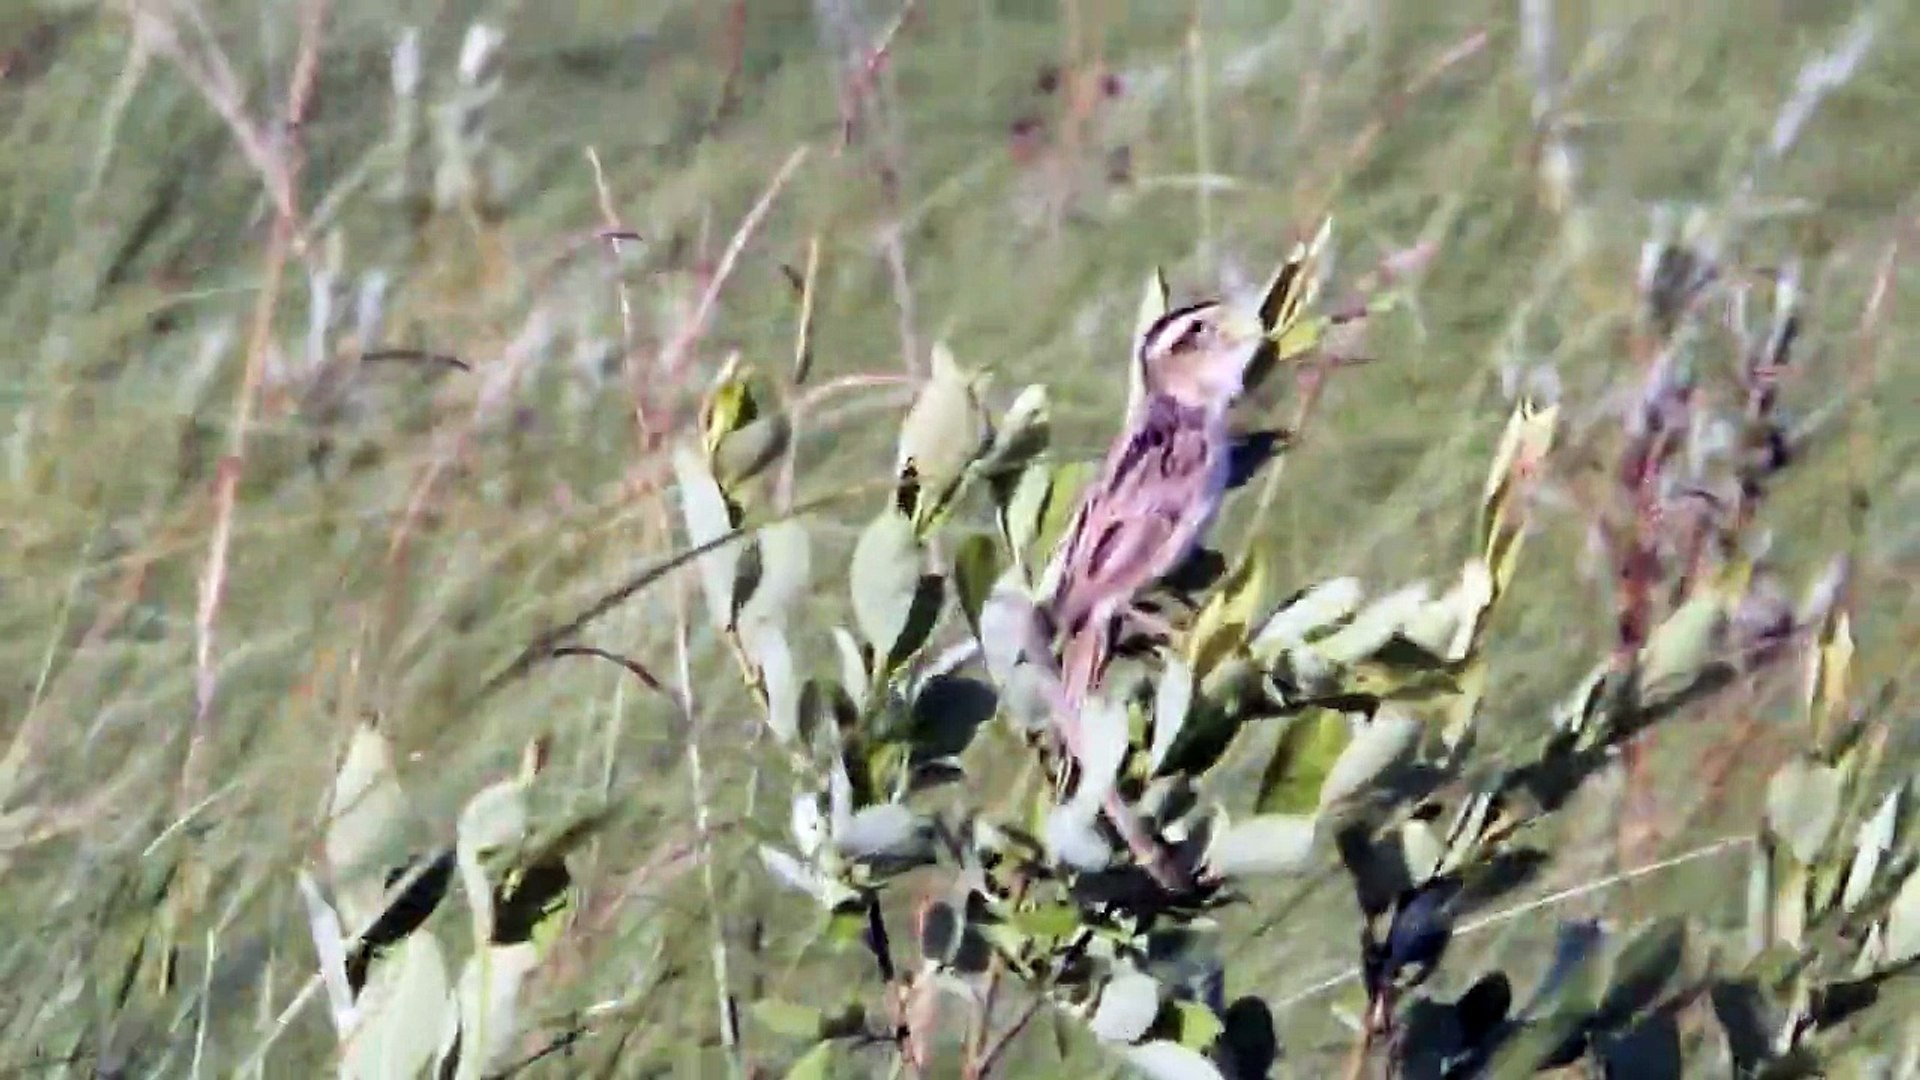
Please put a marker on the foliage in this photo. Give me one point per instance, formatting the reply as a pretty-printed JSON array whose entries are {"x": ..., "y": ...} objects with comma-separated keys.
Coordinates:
[{"x": 267, "y": 502}]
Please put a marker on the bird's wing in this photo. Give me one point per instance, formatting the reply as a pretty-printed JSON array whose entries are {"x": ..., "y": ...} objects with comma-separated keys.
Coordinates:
[{"x": 1141, "y": 515}]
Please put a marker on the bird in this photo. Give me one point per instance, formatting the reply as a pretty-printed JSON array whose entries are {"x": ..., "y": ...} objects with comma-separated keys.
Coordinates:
[
  {"x": 1158, "y": 489},
  {"x": 1160, "y": 484}
]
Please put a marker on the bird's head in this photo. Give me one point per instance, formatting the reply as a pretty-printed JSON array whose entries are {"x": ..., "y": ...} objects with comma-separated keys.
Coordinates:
[{"x": 1198, "y": 354}]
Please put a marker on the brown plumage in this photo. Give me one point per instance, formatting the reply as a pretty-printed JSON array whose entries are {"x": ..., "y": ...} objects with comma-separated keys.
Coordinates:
[
  {"x": 1157, "y": 492},
  {"x": 1159, "y": 487}
]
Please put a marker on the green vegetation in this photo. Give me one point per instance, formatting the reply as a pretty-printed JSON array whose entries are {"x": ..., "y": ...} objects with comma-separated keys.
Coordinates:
[{"x": 513, "y": 529}]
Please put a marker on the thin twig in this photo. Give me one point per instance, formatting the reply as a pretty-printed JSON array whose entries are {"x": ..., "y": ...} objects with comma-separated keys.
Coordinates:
[
  {"x": 674, "y": 355},
  {"x": 723, "y": 987},
  {"x": 281, "y": 174},
  {"x": 1334, "y": 982}
]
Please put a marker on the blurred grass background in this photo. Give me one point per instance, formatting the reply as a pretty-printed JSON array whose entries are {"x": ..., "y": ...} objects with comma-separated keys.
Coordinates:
[{"x": 402, "y": 529}]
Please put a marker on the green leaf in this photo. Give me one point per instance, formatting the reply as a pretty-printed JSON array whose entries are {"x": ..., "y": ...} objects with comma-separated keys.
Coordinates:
[
  {"x": 1221, "y": 626},
  {"x": 745, "y": 453},
  {"x": 786, "y": 571},
  {"x": 1166, "y": 1060},
  {"x": 1376, "y": 746},
  {"x": 731, "y": 404},
  {"x": 1265, "y": 844},
  {"x": 945, "y": 431},
  {"x": 1171, "y": 700},
  {"x": 405, "y": 1008},
  {"x": 1803, "y": 807},
  {"x": 788, "y": 1018},
  {"x": 708, "y": 517},
  {"x": 1643, "y": 969},
  {"x": 1197, "y": 1027},
  {"x": 815, "y": 1064},
  {"x": 976, "y": 566},
  {"x": 885, "y": 574},
  {"x": 1679, "y": 649},
  {"x": 1048, "y": 921},
  {"x": 1827, "y": 688},
  {"x": 1525, "y": 444},
  {"x": 1308, "y": 747},
  {"x": 1128, "y": 1004}
]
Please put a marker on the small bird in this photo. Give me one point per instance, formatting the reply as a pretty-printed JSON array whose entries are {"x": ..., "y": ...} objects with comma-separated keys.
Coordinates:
[
  {"x": 1160, "y": 485},
  {"x": 1157, "y": 492}
]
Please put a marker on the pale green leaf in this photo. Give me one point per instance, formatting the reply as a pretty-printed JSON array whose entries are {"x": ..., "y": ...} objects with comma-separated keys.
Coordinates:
[
  {"x": 1171, "y": 700},
  {"x": 1127, "y": 1006},
  {"x": 708, "y": 517},
  {"x": 1164, "y": 1059},
  {"x": 366, "y": 817},
  {"x": 1803, "y": 806},
  {"x": 885, "y": 576},
  {"x": 1903, "y": 923},
  {"x": 1377, "y": 746},
  {"x": 945, "y": 431},
  {"x": 1264, "y": 844},
  {"x": 746, "y": 452},
  {"x": 815, "y": 1064},
  {"x": 789, "y": 1018},
  {"x": 489, "y": 1013},
  {"x": 405, "y": 1007},
  {"x": 786, "y": 571},
  {"x": 767, "y": 647},
  {"x": 887, "y": 830},
  {"x": 1316, "y": 609},
  {"x": 1680, "y": 648}
]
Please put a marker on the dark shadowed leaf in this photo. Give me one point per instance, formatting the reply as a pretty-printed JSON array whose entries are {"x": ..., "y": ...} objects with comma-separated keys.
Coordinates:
[
  {"x": 1643, "y": 970},
  {"x": 947, "y": 712},
  {"x": 1649, "y": 1049}
]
